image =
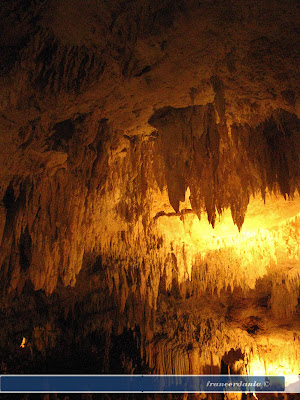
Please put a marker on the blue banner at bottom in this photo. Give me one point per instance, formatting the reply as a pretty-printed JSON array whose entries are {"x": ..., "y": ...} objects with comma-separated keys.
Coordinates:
[{"x": 140, "y": 383}]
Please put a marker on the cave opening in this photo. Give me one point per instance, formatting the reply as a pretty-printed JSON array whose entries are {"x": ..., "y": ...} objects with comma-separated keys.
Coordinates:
[{"x": 232, "y": 361}]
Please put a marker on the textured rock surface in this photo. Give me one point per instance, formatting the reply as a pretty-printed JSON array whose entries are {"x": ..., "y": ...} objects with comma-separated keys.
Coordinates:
[{"x": 150, "y": 184}]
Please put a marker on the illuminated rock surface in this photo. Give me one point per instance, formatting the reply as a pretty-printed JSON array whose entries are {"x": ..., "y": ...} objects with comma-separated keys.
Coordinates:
[{"x": 150, "y": 177}]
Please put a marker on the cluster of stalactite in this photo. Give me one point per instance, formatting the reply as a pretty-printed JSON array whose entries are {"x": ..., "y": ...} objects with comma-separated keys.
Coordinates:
[
  {"x": 224, "y": 167},
  {"x": 124, "y": 126},
  {"x": 103, "y": 212},
  {"x": 91, "y": 192}
]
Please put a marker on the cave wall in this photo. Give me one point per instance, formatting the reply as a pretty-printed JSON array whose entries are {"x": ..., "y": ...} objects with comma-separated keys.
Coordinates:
[
  {"x": 129, "y": 132},
  {"x": 101, "y": 237}
]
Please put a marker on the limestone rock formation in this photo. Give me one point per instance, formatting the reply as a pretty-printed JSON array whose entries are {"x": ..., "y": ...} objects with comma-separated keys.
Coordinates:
[{"x": 150, "y": 182}]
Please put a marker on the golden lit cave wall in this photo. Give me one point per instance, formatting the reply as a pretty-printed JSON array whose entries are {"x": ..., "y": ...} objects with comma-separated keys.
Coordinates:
[
  {"x": 91, "y": 180},
  {"x": 133, "y": 201}
]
